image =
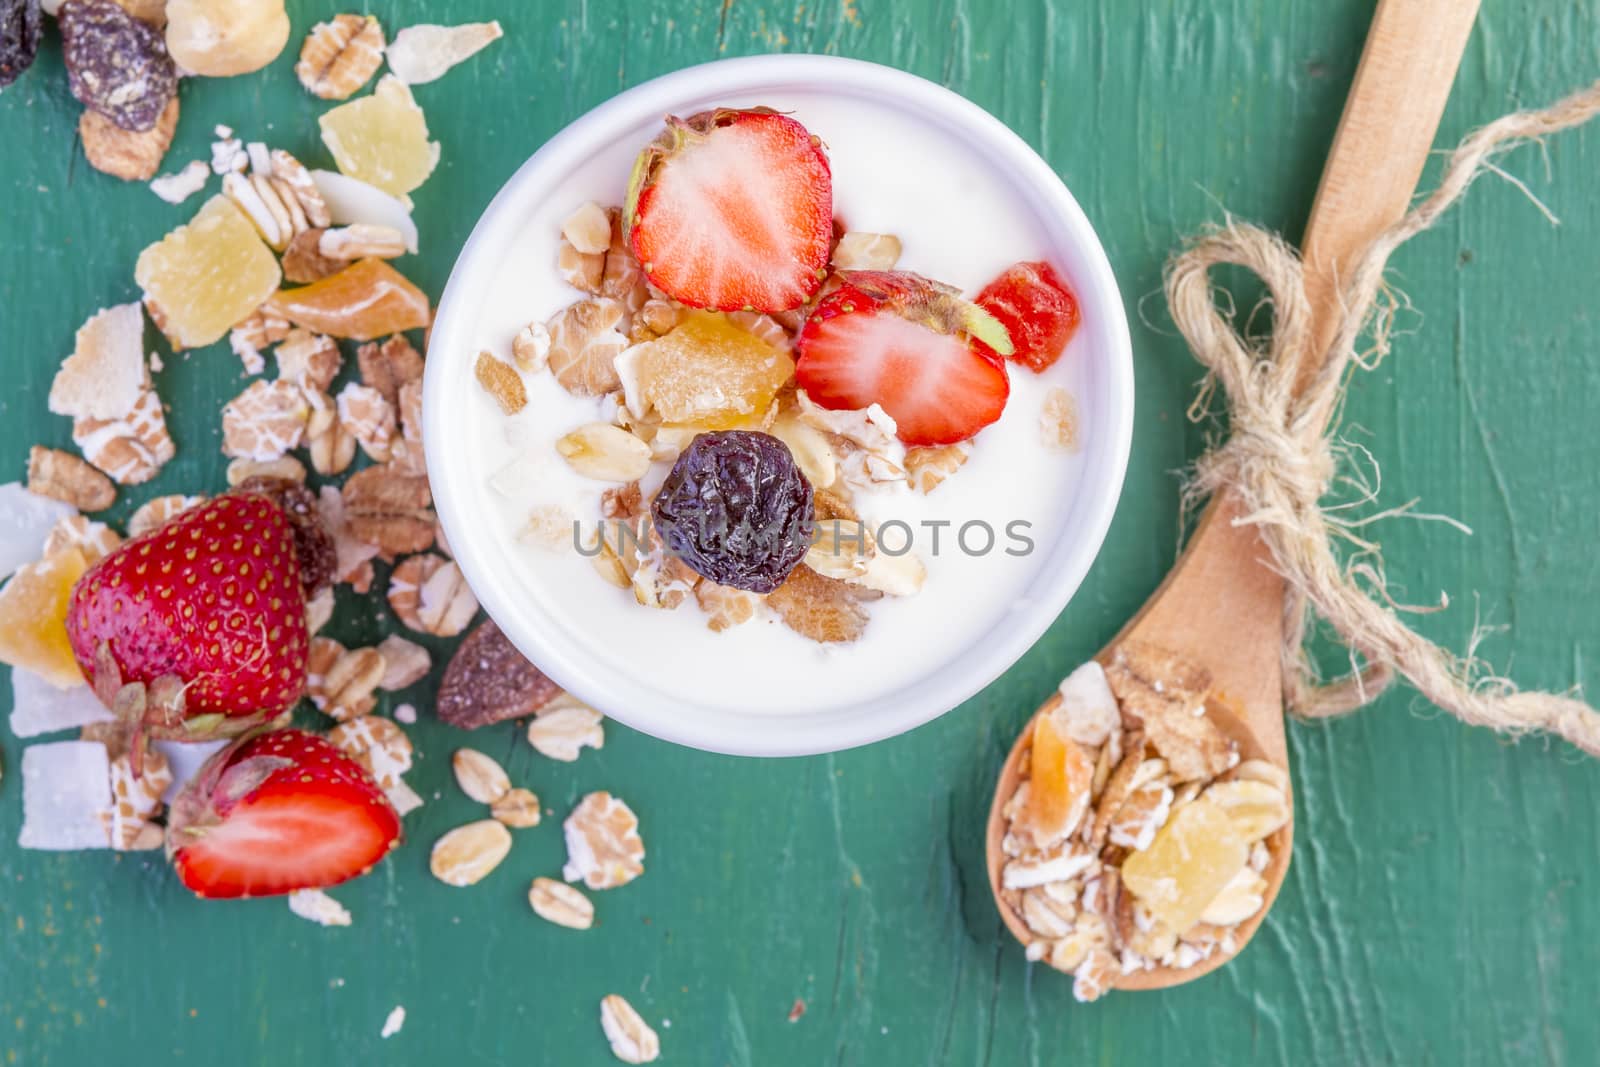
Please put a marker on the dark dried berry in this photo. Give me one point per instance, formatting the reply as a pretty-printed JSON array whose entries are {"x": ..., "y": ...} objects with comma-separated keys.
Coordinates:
[
  {"x": 736, "y": 509},
  {"x": 19, "y": 38},
  {"x": 116, "y": 64},
  {"x": 313, "y": 544},
  {"x": 489, "y": 681}
]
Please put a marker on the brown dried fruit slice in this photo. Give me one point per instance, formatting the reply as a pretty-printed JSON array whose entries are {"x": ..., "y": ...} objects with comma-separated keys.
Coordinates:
[
  {"x": 339, "y": 56},
  {"x": 489, "y": 681},
  {"x": 366, "y": 300},
  {"x": 709, "y": 373},
  {"x": 133, "y": 156},
  {"x": 202, "y": 278},
  {"x": 824, "y": 609}
]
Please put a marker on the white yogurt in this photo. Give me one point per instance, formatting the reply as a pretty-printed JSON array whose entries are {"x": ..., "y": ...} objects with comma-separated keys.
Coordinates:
[{"x": 959, "y": 223}]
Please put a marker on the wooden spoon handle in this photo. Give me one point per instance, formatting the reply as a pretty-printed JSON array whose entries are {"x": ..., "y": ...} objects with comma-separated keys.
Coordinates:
[{"x": 1389, "y": 122}]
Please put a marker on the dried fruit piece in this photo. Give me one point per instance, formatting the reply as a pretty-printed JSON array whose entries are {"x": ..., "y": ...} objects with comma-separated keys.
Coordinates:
[
  {"x": 382, "y": 139},
  {"x": 421, "y": 54},
  {"x": 479, "y": 776},
  {"x": 489, "y": 681},
  {"x": 630, "y": 1037},
  {"x": 116, "y": 64},
  {"x": 1038, "y": 310},
  {"x": 221, "y": 38},
  {"x": 33, "y": 618},
  {"x": 708, "y": 373},
  {"x": 133, "y": 156},
  {"x": 604, "y": 452},
  {"x": 339, "y": 56},
  {"x": 467, "y": 854},
  {"x": 604, "y": 849},
  {"x": 63, "y": 476},
  {"x": 1194, "y": 856},
  {"x": 204, "y": 277},
  {"x": 1058, "y": 784},
  {"x": 1058, "y": 421},
  {"x": 20, "y": 22},
  {"x": 106, "y": 372},
  {"x": 429, "y": 594},
  {"x": 866, "y": 251},
  {"x": 561, "y": 904},
  {"x": 1257, "y": 808},
  {"x": 736, "y": 510},
  {"x": 732, "y": 209},
  {"x": 501, "y": 381},
  {"x": 1239, "y": 899},
  {"x": 366, "y": 300},
  {"x": 517, "y": 808},
  {"x": 826, "y": 610},
  {"x": 389, "y": 509},
  {"x": 585, "y": 341},
  {"x": 265, "y": 421},
  {"x": 564, "y": 727}
]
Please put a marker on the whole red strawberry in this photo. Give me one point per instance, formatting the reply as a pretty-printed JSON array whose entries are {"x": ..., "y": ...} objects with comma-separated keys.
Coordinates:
[
  {"x": 733, "y": 210},
  {"x": 1038, "y": 310},
  {"x": 275, "y": 812},
  {"x": 198, "y": 628},
  {"x": 910, "y": 345}
]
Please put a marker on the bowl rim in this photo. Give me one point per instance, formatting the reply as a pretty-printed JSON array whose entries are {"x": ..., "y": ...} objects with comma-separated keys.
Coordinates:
[{"x": 765, "y": 734}]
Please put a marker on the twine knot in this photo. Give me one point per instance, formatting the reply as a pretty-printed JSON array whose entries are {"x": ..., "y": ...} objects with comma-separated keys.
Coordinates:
[{"x": 1283, "y": 453}]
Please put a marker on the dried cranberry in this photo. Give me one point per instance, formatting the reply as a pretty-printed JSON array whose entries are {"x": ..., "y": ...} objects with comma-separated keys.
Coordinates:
[
  {"x": 116, "y": 64},
  {"x": 736, "y": 509},
  {"x": 19, "y": 38},
  {"x": 313, "y": 544}
]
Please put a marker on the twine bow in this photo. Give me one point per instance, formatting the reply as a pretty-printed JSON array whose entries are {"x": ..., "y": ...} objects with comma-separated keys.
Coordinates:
[{"x": 1283, "y": 455}]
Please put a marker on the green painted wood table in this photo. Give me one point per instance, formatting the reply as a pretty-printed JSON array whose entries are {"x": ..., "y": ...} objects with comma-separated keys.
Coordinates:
[{"x": 1439, "y": 907}]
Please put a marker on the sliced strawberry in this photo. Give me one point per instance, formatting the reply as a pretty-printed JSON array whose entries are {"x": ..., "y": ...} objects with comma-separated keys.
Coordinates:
[
  {"x": 1038, "y": 310},
  {"x": 277, "y": 812},
  {"x": 927, "y": 357},
  {"x": 733, "y": 210}
]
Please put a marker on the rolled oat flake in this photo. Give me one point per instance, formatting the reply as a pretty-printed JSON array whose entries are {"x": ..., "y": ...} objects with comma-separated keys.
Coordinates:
[
  {"x": 19, "y": 38},
  {"x": 116, "y": 64}
]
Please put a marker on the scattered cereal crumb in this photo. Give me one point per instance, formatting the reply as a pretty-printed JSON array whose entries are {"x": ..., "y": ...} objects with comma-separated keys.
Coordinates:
[
  {"x": 177, "y": 187},
  {"x": 405, "y": 713},
  {"x": 319, "y": 907},
  {"x": 394, "y": 1022}
]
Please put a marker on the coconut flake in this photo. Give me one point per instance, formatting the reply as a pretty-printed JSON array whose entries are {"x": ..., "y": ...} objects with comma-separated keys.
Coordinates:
[
  {"x": 37, "y": 707},
  {"x": 421, "y": 54},
  {"x": 352, "y": 201},
  {"x": 26, "y": 520},
  {"x": 66, "y": 796}
]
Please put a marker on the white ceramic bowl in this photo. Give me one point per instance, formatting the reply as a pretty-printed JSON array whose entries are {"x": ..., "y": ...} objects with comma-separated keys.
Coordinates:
[{"x": 913, "y": 119}]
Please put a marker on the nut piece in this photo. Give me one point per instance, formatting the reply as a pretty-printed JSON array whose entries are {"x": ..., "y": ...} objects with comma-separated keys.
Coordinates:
[
  {"x": 518, "y": 809},
  {"x": 489, "y": 681},
  {"x": 585, "y": 341},
  {"x": 467, "y": 854},
  {"x": 63, "y": 476},
  {"x": 221, "y": 38},
  {"x": 561, "y": 904},
  {"x": 604, "y": 452},
  {"x": 360, "y": 240},
  {"x": 479, "y": 776},
  {"x": 255, "y": 334},
  {"x": 292, "y": 173},
  {"x": 563, "y": 727},
  {"x": 429, "y": 595},
  {"x": 603, "y": 844},
  {"x": 133, "y": 157},
  {"x": 501, "y": 381},
  {"x": 347, "y": 688},
  {"x": 866, "y": 251},
  {"x": 928, "y": 467},
  {"x": 303, "y": 261},
  {"x": 386, "y": 508},
  {"x": 632, "y": 1041},
  {"x": 339, "y": 56},
  {"x": 531, "y": 347},
  {"x": 588, "y": 229},
  {"x": 390, "y": 366}
]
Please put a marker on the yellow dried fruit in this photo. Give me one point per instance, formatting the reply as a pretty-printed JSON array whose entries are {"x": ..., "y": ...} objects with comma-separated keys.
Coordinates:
[
  {"x": 220, "y": 38},
  {"x": 202, "y": 278},
  {"x": 367, "y": 299},
  {"x": 1059, "y": 775},
  {"x": 33, "y": 618},
  {"x": 709, "y": 373},
  {"x": 1193, "y": 857},
  {"x": 382, "y": 139}
]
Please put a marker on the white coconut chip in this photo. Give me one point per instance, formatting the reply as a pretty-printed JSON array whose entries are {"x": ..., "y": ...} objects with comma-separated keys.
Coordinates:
[
  {"x": 352, "y": 201},
  {"x": 421, "y": 54},
  {"x": 180, "y": 185},
  {"x": 26, "y": 520},
  {"x": 37, "y": 707},
  {"x": 66, "y": 793}
]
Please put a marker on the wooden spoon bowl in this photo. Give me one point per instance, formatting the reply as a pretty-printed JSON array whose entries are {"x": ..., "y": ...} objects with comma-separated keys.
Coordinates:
[{"x": 1222, "y": 605}]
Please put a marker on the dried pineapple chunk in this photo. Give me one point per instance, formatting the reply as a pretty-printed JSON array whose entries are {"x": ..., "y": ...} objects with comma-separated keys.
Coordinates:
[
  {"x": 1192, "y": 859},
  {"x": 709, "y": 373},
  {"x": 203, "y": 278},
  {"x": 382, "y": 139},
  {"x": 33, "y": 618}
]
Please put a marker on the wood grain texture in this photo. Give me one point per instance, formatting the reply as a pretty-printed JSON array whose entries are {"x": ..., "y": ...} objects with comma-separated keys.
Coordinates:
[{"x": 1438, "y": 909}]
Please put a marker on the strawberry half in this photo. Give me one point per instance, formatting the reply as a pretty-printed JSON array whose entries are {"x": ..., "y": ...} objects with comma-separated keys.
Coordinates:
[
  {"x": 276, "y": 812},
  {"x": 926, "y": 356},
  {"x": 732, "y": 210},
  {"x": 198, "y": 628},
  {"x": 1037, "y": 309}
]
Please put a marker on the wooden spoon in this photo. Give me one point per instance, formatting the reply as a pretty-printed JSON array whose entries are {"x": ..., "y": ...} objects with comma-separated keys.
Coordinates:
[{"x": 1222, "y": 604}]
